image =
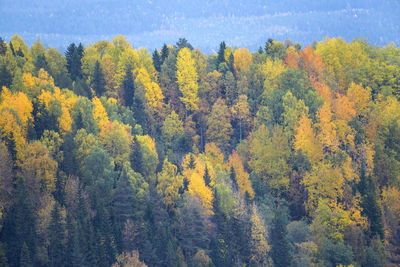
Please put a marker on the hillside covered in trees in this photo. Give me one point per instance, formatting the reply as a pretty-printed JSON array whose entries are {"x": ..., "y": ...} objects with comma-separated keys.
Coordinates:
[{"x": 112, "y": 155}]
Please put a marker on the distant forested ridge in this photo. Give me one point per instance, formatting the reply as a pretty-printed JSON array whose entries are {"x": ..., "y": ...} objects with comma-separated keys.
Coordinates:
[
  {"x": 116, "y": 156},
  {"x": 150, "y": 23}
]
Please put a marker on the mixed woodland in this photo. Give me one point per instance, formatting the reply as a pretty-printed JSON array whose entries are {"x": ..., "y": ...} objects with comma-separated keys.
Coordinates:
[{"x": 112, "y": 155}]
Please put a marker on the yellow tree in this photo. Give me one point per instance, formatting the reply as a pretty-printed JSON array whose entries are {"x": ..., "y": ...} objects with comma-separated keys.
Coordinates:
[
  {"x": 172, "y": 128},
  {"x": 169, "y": 183},
  {"x": 11, "y": 132},
  {"x": 360, "y": 96},
  {"x": 117, "y": 141},
  {"x": 187, "y": 79},
  {"x": 84, "y": 144},
  {"x": 197, "y": 186},
  {"x": 15, "y": 113},
  {"x": 241, "y": 111},
  {"x": 37, "y": 168},
  {"x": 259, "y": 246},
  {"x": 327, "y": 129},
  {"x": 242, "y": 177},
  {"x": 18, "y": 102},
  {"x": 242, "y": 60},
  {"x": 99, "y": 113},
  {"x": 67, "y": 100},
  {"x": 324, "y": 181},
  {"x": 214, "y": 155},
  {"x": 344, "y": 111},
  {"x": 270, "y": 71},
  {"x": 293, "y": 110},
  {"x": 330, "y": 220},
  {"x": 149, "y": 156},
  {"x": 306, "y": 141},
  {"x": 153, "y": 93},
  {"x": 269, "y": 154}
]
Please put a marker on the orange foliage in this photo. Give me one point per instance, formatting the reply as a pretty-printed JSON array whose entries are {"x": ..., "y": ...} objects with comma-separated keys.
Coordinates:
[{"x": 312, "y": 63}]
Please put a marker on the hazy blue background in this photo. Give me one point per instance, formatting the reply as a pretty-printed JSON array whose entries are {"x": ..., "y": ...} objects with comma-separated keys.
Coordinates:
[{"x": 150, "y": 23}]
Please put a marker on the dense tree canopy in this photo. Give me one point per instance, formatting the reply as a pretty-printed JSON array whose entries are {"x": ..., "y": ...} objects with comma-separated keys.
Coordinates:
[{"x": 114, "y": 156}]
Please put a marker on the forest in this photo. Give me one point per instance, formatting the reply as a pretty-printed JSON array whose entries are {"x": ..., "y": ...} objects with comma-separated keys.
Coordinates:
[{"x": 112, "y": 155}]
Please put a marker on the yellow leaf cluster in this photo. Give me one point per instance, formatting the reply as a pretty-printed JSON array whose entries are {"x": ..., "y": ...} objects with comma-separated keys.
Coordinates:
[
  {"x": 187, "y": 79},
  {"x": 324, "y": 181},
  {"x": 306, "y": 141},
  {"x": 99, "y": 113},
  {"x": 360, "y": 96},
  {"x": 153, "y": 93},
  {"x": 271, "y": 69},
  {"x": 19, "y": 103},
  {"x": 36, "y": 163},
  {"x": 117, "y": 140},
  {"x": 242, "y": 176},
  {"x": 169, "y": 183},
  {"x": 242, "y": 60},
  {"x": 197, "y": 186},
  {"x": 67, "y": 102},
  {"x": 327, "y": 128}
]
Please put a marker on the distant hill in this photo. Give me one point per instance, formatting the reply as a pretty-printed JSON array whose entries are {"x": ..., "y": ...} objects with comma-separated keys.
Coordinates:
[{"x": 150, "y": 23}]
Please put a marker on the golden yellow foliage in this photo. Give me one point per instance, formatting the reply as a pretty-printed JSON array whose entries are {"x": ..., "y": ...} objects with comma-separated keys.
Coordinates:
[
  {"x": 344, "y": 108},
  {"x": 360, "y": 96},
  {"x": 270, "y": 70},
  {"x": 10, "y": 130},
  {"x": 268, "y": 156},
  {"x": 327, "y": 128},
  {"x": 67, "y": 101},
  {"x": 323, "y": 90},
  {"x": 153, "y": 93},
  {"x": 99, "y": 113},
  {"x": 19, "y": 103},
  {"x": 242, "y": 177},
  {"x": 197, "y": 186},
  {"x": 330, "y": 220},
  {"x": 306, "y": 141},
  {"x": 187, "y": 77},
  {"x": 242, "y": 60},
  {"x": 169, "y": 183},
  {"x": 214, "y": 154},
  {"x": 36, "y": 164},
  {"x": 117, "y": 140},
  {"x": 324, "y": 181}
]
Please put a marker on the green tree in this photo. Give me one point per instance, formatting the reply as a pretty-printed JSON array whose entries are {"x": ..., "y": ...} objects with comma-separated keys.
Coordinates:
[
  {"x": 157, "y": 60},
  {"x": 221, "y": 53},
  {"x": 97, "y": 81},
  {"x": 56, "y": 238},
  {"x": 280, "y": 247},
  {"x": 5, "y": 77},
  {"x": 164, "y": 53},
  {"x": 369, "y": 205},
  {"x": 25, "y": 259},
  {"x": 19, "y": 226},
  {"x": 129, "y": 87},
  {"x": 74, "y": 56}
]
